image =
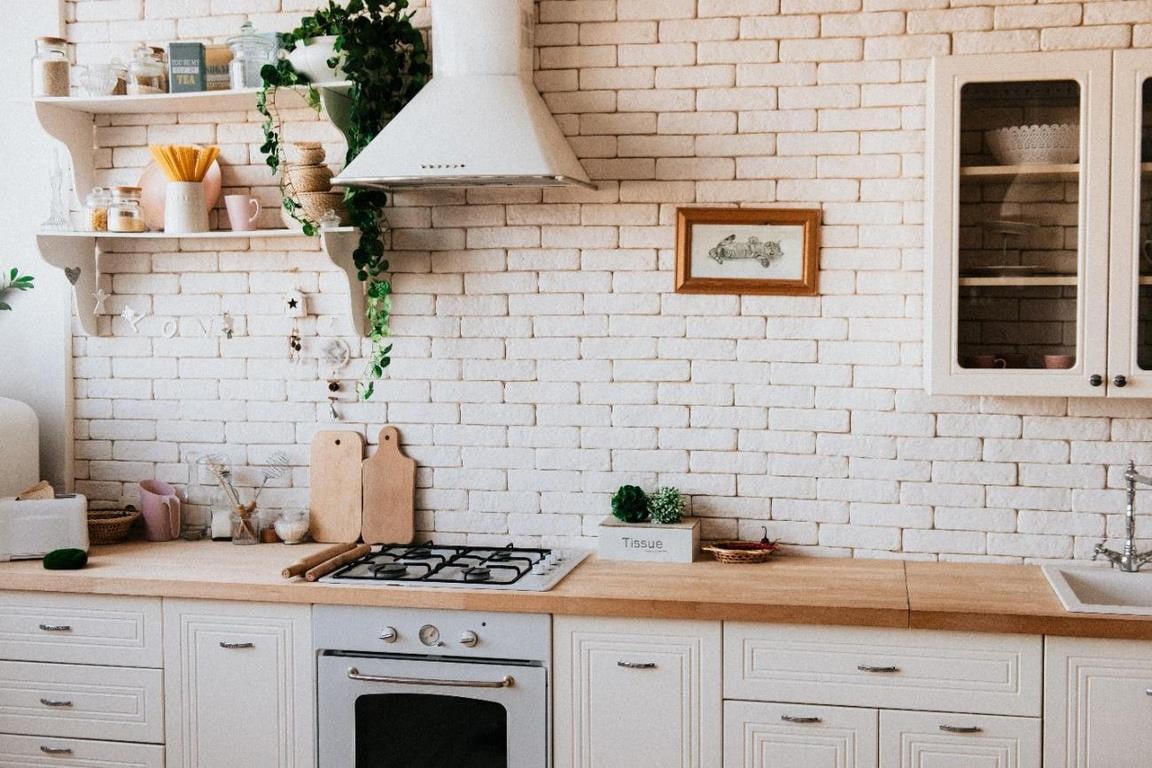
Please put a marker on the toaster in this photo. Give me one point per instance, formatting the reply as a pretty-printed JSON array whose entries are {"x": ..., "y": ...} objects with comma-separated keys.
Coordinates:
[{"x": 31, "y": 529}]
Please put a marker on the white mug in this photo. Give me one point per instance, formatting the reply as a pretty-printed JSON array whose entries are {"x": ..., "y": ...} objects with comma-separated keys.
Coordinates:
[
  {"x": 242, "y": 212},
  {"x": 184, "y": 208}
]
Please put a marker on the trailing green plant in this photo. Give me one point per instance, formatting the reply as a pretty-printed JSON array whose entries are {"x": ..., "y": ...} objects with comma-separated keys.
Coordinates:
[
  {"x": 630, "y": 504},
  {"x": 386, "y": 60},
  {"x": 14, "y": 281}
]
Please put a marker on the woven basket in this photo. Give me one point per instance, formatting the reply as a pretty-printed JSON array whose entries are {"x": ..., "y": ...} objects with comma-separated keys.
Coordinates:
[
  {"x": 728, "y": 552},
  {"x": 110, "y": 527},
  {"x": 304, "y": 153},
  {"x": 308, "y": 178}
]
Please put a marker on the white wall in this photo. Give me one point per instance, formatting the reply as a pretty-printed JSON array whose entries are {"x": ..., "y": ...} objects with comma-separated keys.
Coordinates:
[{"x": 35, "y": 338}]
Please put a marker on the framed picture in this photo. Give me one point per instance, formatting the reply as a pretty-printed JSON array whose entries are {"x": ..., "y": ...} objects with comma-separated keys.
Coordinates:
[{"x": 748, "y": 250}]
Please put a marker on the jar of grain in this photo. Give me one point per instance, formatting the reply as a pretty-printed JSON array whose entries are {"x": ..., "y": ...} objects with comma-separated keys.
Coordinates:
[
  {"x": 125, "y": 213},
  {"x": 96, "y": 209},
  {"x": 50, "y": 67},
  {"x": 146, "y": 74}
]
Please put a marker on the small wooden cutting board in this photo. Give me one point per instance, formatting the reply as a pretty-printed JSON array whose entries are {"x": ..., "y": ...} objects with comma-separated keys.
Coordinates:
[
  {"x": 336, "y": 492},
  {"x": 389, "y": 480}
]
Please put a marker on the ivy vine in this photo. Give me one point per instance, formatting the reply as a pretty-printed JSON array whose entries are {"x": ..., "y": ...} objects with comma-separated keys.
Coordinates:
[{"x": 386, "y": 60}]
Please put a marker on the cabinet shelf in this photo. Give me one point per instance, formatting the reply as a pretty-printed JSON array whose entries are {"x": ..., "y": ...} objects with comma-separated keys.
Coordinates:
[
  {"x": 203, "y": 101},
  {"x": 1025, "y": 172},
  {"x": 1032, "y": 280}
]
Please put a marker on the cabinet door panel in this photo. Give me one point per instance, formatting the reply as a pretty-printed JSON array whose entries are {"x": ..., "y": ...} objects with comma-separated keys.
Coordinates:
[
  {"x": 637, "y": 694},
  {"x": 1097, "y": 704},
  {"x": 42, "y": 752},
  {"x": 239, "y": 682},
  {"x": 758, "y": 735},
  {"x": 948, "y": 740}
]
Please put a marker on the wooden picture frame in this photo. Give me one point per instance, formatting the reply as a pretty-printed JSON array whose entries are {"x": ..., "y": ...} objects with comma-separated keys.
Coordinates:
[{"x": 783, "y": 243}]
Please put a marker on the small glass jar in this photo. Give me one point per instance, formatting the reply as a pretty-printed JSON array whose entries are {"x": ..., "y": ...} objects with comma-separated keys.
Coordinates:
[
  {"x": 146, "y": 73},
  {"x": 245, "y": 527},
  {"x": 222, "y": 508},
  {"x": 125, "y": 213},
  {"x": 292, "y": 526},
  {"x": 96, "y": 209},
  {"x": 50, "y": 67},
  {"x": 250, "y": 52}
]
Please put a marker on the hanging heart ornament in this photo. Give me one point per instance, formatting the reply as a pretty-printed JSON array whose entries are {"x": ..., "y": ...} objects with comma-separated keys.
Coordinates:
[{"x": 73, "y": 274}]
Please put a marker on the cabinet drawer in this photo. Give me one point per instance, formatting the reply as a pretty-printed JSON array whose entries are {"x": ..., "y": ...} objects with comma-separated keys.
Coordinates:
[
  {"x": 760, "y": 735},
  {"x": 942, "y": 740},
  {"x": 40, "y": 751},
  {"x": 84, "y": 702},
  {"x": 80, "y": 629},
  {"x": 868, "y": 667}
]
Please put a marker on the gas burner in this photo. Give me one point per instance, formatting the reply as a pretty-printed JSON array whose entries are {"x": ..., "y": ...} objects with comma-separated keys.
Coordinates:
[
  {"x": 476, "y": 573},
  {"x": 418, "y": 553},
  {"x": 502, "y": 556},
  {"x": 390, "y": 570}
]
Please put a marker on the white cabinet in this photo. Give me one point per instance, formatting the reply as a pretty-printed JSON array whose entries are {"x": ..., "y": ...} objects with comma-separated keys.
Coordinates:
[
  {"x": 948, "y": 740},
  {"x": 1037, "y": 267},
  {"x": 762, "y": 735},
  {"x": 636, "y": 693},
  {"x": 1097, "y": 703},
  {"x": 239, "y": 685},
  {"x": 40, "y": 751}
]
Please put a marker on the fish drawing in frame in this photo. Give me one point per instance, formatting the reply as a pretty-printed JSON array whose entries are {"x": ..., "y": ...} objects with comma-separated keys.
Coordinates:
[{"x": 763, "y": 251}]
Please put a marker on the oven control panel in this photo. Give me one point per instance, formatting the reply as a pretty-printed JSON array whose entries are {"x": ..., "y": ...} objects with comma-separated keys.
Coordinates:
[{"x": 443, "y": 633}]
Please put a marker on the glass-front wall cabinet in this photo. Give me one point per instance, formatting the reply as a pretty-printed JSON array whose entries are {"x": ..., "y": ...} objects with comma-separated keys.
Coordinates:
[{"x": 1017, "y": 293}]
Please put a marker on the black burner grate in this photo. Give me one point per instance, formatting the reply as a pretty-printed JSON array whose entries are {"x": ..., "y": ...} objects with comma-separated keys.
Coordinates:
[{"x": 430, "y": 563}]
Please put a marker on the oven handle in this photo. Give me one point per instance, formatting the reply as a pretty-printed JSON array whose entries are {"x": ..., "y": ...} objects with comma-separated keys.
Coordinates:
[{"x": 506, "y": 682}]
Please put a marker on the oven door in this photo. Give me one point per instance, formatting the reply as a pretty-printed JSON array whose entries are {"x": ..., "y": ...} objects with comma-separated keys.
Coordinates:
[{"x": 386, "y": 712}]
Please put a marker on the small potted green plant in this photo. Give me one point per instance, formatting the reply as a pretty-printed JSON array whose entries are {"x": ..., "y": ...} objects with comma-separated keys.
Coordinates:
[{"x": 649, "y": 526}]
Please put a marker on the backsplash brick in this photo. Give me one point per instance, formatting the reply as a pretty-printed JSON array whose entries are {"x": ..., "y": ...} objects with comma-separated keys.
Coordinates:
[{"x": 541, "y": 357}]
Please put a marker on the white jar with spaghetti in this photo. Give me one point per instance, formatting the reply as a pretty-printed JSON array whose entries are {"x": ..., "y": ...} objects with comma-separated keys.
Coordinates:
[{"x": 125, "y": 213}]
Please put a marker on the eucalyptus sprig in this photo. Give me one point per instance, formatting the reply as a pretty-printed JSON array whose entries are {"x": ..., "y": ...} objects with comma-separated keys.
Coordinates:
[
  {"x": 386, "y": 60},
  {"x": 14, "y": 281}
]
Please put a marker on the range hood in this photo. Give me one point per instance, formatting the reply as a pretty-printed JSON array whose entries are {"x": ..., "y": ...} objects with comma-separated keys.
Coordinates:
[{"x": 479, "y": 121}]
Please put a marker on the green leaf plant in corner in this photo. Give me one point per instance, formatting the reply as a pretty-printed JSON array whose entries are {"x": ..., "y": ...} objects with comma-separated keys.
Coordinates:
[
  {"x": 386, "y": 60},
  {"x": 13, "y": 281}
]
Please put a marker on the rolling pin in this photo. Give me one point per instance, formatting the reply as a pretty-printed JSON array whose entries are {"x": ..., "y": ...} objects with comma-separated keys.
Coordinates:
[
  {"x": 299, "y": 567},
  {"x": 325, "y": 568}
]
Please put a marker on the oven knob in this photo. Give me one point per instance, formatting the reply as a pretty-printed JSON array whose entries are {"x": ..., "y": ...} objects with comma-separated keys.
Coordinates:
[
  {"x": 389, "y": 634},
  {"x": 468, "y": 638}
]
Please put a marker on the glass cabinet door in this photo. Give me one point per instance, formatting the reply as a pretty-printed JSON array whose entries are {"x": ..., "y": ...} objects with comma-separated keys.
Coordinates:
[{"x": 1019, "y": 246}]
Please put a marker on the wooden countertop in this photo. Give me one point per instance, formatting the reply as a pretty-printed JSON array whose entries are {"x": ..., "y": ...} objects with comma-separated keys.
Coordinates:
[{"x": 802, "y": 590}]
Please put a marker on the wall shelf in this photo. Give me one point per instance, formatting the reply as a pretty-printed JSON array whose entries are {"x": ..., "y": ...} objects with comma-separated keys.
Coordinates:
[
  {"x": 1030, "y": 172},
  {"x": 77, "y": 255},
  {"x": 1033, "y": 280}
]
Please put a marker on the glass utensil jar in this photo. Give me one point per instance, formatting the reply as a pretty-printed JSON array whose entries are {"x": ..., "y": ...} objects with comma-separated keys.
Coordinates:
[
  {"x": 125, "y": 213},
  {"x": 245, "y": 527},
  {"x": 50, "y": 67},
  {"x": 146, "y": 73},
  {"x": 250, "y": 52},
  {"x": 96, "y": 209}
]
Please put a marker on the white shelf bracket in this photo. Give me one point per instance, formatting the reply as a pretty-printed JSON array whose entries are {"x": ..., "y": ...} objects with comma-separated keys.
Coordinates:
[
  {"x": 73, "y": 129},
  {"x": 79, "y": 259},
  {"x": 339, "y": 246}
]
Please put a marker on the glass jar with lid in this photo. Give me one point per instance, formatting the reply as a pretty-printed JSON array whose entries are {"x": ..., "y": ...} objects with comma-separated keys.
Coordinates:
[
  {"x": 96, "y": 209},
  {"x": 146, "y": 73},
  {"x": 50, "y": 67},
  {"x": 125, "y": 213},
  {"x": 250, "y": 52}
]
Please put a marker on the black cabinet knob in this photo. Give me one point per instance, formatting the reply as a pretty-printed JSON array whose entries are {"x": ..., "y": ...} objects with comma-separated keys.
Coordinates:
[
  {"x": 1120, "y": 381},
  {"x": 1095, "y": 379}
]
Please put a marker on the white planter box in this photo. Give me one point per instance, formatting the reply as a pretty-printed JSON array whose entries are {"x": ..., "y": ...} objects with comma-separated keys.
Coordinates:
[{"x": 676, "y": 543}]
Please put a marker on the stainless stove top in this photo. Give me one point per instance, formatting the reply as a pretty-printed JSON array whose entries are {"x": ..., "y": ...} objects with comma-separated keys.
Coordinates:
[{"x": 432, "y": 565}]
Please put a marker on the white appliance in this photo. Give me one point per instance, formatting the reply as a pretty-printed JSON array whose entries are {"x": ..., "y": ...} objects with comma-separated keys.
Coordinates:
[
  {"x": 19, "y": 447},
  {"x": 33, "y": 528},
  {"x": 427, "y": 689},
  {"x": 480, "y": 120}
]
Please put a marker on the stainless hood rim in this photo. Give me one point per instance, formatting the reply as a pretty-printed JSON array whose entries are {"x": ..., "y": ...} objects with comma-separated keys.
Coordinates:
[{"x": 389, "y": 183}]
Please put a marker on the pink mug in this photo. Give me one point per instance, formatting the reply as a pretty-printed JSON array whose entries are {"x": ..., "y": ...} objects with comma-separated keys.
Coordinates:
[
  {"x": 161, "y": 508},
  {"x": 242, "y": 212}
]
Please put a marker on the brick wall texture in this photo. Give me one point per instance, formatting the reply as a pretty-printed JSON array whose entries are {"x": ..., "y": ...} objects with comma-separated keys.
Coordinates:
[{"x": 541, "y": 356}]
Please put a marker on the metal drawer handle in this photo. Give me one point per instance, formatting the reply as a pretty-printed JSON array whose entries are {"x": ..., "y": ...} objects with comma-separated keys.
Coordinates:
[
  {"x": 236, "y": 645},
  {"x": 55, "y": 703},
  {"x": 961, "y": 728},
  {"x": 56, "y": 750},
  {"x": 636, "y": 664},
  {"x": 796, "y": 719},
  {"x": 877, "y": 670},
  {"x": 55, "y": 628},
  {"x": 1148, "y": 692},
  {"x": 506, "y": 682}
]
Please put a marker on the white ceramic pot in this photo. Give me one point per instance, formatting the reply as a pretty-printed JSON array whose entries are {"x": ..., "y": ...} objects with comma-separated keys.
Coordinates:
[
  {"x": 310, "y": 58},
  {"x": 184, "y": 208}
]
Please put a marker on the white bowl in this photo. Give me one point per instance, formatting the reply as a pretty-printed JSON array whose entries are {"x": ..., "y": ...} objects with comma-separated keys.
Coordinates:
[
  {"x": 310, "y": 58},
  {"x": 1020, "y": 144}
]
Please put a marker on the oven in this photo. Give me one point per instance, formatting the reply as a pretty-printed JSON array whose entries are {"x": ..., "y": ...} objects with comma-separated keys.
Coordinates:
[{"x": 409, "y": 688}]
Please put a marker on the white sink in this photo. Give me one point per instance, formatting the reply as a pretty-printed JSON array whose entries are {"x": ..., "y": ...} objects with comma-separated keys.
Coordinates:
[{"x": 1101, "y": 590}]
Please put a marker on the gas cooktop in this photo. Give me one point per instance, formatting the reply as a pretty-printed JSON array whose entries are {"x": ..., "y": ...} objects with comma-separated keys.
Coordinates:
[{"x": 434, "y": 565}]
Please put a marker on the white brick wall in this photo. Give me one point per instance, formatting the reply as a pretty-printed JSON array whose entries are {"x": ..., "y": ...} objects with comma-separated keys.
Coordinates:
[{"x": 541, "y": 357}]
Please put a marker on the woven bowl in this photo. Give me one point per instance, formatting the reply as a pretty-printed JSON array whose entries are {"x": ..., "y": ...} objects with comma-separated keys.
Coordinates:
[
  {"x": 304, "y": 153},
  {"x": 1020, "y": 144},
  {"x": 734, "y": 552},
  {"x": 110, "y": 527},
  {"x": 308, "y": 178},
  {"x": 313, "y": 205}
]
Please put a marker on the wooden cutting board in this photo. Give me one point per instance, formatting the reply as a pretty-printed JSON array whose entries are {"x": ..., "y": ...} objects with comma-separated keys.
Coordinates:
[
  {"x": 336, "y": 492},
  {"x": 389, "y": 479}
]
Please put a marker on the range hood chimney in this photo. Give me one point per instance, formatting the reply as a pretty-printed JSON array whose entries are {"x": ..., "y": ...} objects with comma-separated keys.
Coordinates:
[{"x": 479, "y": 121}]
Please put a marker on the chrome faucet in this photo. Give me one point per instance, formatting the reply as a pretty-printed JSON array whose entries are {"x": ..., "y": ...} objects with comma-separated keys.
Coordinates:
[{"x": 1129, "y": 559}]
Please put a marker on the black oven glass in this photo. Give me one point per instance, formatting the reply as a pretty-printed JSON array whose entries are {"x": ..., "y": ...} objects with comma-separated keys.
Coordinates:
[{"x": 414, "y": 730}]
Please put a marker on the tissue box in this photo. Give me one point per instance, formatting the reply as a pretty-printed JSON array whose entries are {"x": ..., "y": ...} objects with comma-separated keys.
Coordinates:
[
  {"x": 675, "y": 543},
  {"x": 32, "y": 529}
]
